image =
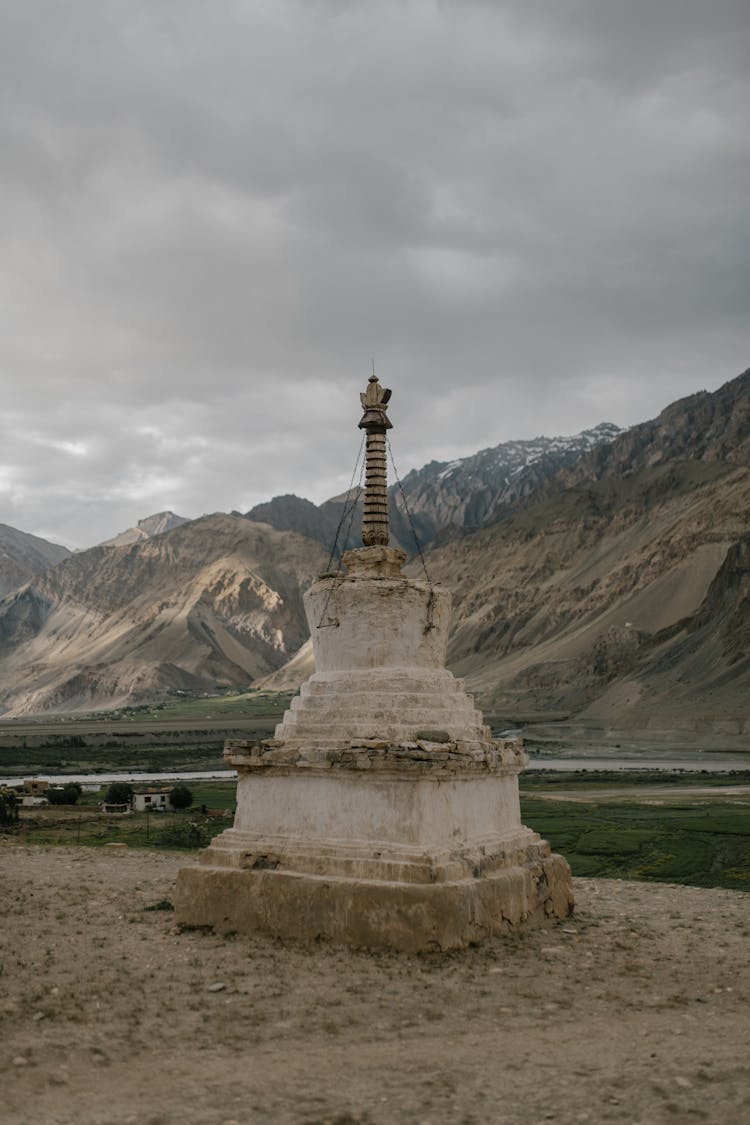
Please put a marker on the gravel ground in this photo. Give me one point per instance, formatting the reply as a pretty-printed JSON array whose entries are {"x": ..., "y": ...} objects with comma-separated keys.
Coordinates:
[{"x": 636, "y": 1010}]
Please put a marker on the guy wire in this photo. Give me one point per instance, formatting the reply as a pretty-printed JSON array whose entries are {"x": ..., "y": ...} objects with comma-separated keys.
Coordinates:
[
  {"x": 353, "y": 509},
  {"x": 345, "y": 510},
  {"x": 350, "y": 507},
  {"x": 431, "y": 600}
]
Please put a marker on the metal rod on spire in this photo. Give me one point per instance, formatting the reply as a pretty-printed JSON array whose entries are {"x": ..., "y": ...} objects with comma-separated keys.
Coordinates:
[{"x": 375, "y": 422}]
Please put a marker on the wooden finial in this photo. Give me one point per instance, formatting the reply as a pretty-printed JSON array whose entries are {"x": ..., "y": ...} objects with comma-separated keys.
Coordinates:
[{"x": 375, "y": 421}]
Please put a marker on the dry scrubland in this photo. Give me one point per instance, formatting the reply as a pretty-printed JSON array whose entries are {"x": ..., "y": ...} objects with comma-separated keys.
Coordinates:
[{"x": 634, "y": 1011}]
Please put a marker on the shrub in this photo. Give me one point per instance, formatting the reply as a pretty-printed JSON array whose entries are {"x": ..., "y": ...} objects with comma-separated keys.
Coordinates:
[
  {"x": 67, "y": 795},
  {"x": 119, "y": 793},
  {"x": 8, "y": 810},
  {"x": 180, "y": 797}
]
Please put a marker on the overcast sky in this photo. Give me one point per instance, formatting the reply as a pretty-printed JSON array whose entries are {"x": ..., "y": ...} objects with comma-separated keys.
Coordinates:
[{"x": 535, "y": 216}]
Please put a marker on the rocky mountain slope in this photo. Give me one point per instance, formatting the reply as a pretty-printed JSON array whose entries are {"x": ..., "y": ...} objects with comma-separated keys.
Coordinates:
[
  {"x": 615, "y": 596},
  {"x": 23, "y": 555},
  {"x": 475, "y": 491},
  {"x": 625, "y": 602},
  {"x": 443, "y": 496},
  {"x": 216, "y": 602},
  {"x": 146, "y": 529},
  {"x": 620, "y": 593},
  {"x": 613, "y": 593},
  {"x": 707, "y": 426}
]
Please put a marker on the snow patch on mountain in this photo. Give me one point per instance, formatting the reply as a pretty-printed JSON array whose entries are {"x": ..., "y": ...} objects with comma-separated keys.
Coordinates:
[{"x": 471, "y": 491}]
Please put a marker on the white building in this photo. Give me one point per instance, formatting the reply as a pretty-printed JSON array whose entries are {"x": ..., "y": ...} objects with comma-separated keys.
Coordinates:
[{"x": 150, "y": 800}]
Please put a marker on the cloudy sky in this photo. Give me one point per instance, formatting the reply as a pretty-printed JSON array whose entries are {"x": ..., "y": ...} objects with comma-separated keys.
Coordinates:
[{"x": 534, "y": 216}]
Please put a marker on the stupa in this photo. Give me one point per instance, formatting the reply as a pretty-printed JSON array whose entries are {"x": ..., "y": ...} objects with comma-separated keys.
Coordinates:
[{"x": 382, "y": 814}]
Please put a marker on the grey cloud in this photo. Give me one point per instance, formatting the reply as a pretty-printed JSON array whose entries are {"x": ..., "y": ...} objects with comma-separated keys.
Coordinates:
[{"x": 533, "y": 216}]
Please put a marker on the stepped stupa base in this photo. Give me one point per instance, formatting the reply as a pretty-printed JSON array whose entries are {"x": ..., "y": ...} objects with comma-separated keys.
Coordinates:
[{"x": 409, "y": 846}]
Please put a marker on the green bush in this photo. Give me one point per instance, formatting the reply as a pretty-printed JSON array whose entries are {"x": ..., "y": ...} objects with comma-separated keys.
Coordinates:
[
  {"x": 8, "y": 810},
  {"x": 119, "y": 793},
  {"x": 67, "y": 795},
  {"x": 180, "y": 797}
]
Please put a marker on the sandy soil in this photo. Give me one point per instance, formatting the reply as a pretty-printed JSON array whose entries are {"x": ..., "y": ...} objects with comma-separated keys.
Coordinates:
[{"x": 634, "y": 1011}]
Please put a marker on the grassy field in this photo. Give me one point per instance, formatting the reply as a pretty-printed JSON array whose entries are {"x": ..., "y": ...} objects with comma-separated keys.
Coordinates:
[
  {"x": 696, "y": 840},
  {"x": 75, "y": 760},
  {"x": 616, "y": 827},
  {"x": 629, "y": 825},
  {"x": 249, "y": 705},
  {"x": 185, "y": 734},
  {"x": 594, "y": 780},
  {"x": 700, "y": 842},
  {"x": 84, "y": 823}
]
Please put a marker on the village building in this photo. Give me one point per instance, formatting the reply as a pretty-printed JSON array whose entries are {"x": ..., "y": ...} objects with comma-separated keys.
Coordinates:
[
  {"x": 150, "y": 800},
  {"x": 27, "y": 793},
  {"x": 29, "y": 801},
  {"x": 36, "y": 786},
  {"x": 382, "y": 814}
]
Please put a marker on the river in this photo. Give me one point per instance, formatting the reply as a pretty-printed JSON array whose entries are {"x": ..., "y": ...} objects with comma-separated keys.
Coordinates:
[{"x": 694, "y": 761}]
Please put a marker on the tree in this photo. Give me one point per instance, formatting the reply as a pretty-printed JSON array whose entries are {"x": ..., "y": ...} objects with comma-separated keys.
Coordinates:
[
  {"x": 119, "y": 793},
  {"x": 8, "y": 809},
  {"x": 67, "y": 795},
  {"x": 180, "y": 797}
]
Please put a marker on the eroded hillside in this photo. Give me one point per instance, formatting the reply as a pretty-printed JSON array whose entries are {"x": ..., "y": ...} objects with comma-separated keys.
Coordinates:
[
  {"x": 442, "y": 497},
  {"x": 22, "y": 556},
  {"x": 214, "y": 603},
  {"x": 624, "y": 602},
  {"x": 615, "y": 593}
]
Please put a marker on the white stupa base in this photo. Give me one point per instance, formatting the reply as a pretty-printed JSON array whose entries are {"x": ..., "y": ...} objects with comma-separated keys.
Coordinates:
[{"x": 412, "y": 847}]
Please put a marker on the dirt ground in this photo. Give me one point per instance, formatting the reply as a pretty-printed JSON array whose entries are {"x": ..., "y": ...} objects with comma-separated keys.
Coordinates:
[{"x": 636, "y": 1010}]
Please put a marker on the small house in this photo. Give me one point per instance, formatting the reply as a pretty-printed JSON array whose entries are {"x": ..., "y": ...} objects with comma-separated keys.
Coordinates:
[
  {"x": 35, "y": 786},
  {"x": 150, "y": 800}
]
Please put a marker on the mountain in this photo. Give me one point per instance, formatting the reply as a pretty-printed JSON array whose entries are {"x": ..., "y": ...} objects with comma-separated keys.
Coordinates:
[
  {"x": 213, "y": 603},
  {"x": 146, "y": 529},
  {"x": 705, "y": 426},
  {"x": 22, "y": 556},
  {"x": 615, "y": 596},
  {"x": 618, "y": 594},
  {"x": 609, "y": 586},
  {"x": 442, "y": 496},
  {"x": 474, "y": 491}
]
